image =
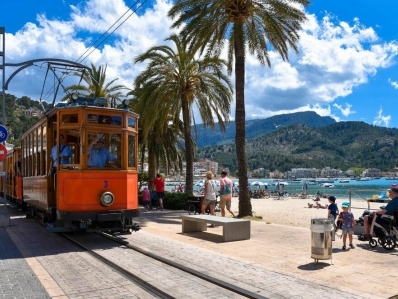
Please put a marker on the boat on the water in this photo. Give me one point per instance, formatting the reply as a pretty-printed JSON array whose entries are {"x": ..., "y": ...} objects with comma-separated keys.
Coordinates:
[
  {"x": 322, "y": 181},
  {"x": 344, "y": 181},
  {"x": 327, "y": 185}
]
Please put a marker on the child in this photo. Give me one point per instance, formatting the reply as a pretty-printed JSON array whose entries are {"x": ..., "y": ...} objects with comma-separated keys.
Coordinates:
[
  {"x": 333, "y": 210},
  {"x": 146, "y": 199},
  {"x": 348, "y": 225}
]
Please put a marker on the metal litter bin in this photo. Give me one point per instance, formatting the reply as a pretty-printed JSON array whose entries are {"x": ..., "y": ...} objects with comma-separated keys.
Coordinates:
[{"x": 321, "y": 239}]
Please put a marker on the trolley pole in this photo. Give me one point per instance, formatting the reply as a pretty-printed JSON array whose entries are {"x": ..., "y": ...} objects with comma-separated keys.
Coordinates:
[{"x": 4, "y": 219}]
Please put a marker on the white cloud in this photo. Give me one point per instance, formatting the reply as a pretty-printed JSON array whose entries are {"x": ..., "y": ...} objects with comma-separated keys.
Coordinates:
[
  {"x": 344, "y": 110},
  {"x": 393, "y": 83},
  {"x": 334, "y": 57},
  {"x": 381, "y": 120}
]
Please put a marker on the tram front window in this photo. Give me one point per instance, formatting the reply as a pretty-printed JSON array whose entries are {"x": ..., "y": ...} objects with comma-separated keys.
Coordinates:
[{"x": 104, "y": 150}]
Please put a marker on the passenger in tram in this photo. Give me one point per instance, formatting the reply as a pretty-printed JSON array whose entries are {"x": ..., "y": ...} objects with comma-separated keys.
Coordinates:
[
  {"x": 18, "y": 166},
  {"x": 65, "y": 153},
  {"x": 99, "y": 155}
]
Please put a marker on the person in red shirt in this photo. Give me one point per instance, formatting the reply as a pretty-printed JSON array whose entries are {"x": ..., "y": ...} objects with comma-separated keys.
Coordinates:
[{"x": 158, "y": 182}]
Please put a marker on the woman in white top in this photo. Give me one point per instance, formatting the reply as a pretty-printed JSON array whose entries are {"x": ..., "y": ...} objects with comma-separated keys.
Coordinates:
[{"x": 209, "y": 193}]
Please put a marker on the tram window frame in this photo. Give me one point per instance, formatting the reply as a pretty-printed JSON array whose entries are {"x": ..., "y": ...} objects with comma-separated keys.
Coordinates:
[
  {"x": 29, "y": 154},
  {"x": 93, "y": 136},
  {"x": 131, "y": 119},
  {"x": 65, "y": 116},
  {"x": 98, "y": 119},
  {"x": 75, "y": 159},
  {"x": 132, "y": 154},
  {"x": 43, "y": 152}
]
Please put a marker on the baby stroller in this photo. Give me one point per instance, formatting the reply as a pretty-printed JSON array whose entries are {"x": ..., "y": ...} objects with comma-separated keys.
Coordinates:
[
  {"x": 386, "y": 234},
  {"x": 154, "y": 200}
]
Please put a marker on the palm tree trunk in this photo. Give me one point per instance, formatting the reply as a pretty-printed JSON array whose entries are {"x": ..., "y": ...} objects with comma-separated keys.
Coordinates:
[
  {"x": 188, "y": 147},
  {"x": 245, "y": 206},
  {"x": 152, "y": 166}
]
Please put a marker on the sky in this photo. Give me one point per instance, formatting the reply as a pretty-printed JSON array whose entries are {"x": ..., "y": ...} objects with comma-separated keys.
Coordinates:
[{"x": 346, "y": 67}]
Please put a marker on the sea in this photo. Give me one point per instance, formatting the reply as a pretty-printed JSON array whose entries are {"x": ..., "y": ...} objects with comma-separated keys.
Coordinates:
[{"x": 339, "y": 187}]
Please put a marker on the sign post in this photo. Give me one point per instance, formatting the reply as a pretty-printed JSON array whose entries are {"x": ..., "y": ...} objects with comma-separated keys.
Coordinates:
[{"x": 4, "y": 219}]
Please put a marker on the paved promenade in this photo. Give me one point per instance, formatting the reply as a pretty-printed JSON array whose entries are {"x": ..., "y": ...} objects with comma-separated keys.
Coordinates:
[
  {"x": 279, "y": 258},
  {"x": 275, "y": 262}
]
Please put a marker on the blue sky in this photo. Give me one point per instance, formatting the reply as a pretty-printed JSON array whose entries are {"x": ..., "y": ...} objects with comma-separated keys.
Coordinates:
[{"x": 346, "y": 67}]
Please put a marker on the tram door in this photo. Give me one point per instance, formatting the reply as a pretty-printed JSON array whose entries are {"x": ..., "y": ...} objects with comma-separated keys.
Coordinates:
[{"x": 51, "y": 177}]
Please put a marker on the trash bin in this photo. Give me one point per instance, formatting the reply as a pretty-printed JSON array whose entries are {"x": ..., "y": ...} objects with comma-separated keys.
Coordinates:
[{"x": 321, "y": 239}]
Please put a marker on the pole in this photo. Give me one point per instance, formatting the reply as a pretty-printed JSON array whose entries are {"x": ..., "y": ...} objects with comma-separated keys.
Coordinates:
[{"x": 4, "y": 220}]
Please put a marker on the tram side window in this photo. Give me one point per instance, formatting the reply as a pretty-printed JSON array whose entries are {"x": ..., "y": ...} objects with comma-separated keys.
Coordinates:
[
  {"x": 131, "y": 151},
  {"x": 70, "y": 118},
  {"x": 43, "y": 166},
  {"x": 113, "y": 120},
  {"x": 131, "y": 122},
  {"x": 73, "y": 141},
  {"x": 104, "y": 150}
]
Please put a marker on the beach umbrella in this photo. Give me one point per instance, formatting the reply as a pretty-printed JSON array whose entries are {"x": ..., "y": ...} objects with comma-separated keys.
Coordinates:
[
  {"x": 256, "y": 183},
  {"x": 236, "y": 184}
]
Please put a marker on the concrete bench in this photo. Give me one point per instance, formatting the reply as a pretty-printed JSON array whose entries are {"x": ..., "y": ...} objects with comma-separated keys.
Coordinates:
[{"x": 233, "y": 229}]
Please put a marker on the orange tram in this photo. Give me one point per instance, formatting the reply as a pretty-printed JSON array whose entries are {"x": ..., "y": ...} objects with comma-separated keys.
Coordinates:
[{"x": 76, "y": 169}]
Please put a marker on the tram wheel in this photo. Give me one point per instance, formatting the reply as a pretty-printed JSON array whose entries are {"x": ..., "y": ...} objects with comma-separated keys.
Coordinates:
[{"x": 389, "y": 243}]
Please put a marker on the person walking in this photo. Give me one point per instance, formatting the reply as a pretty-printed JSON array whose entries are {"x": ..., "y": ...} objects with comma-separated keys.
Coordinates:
[
  {"x": 158, "y": 182},
  {"x": 146, "y": 198},
  {"x": 225, "y": 194},
  {"x": 348, "y": 225},
  {"x": 209, "y": 198}
]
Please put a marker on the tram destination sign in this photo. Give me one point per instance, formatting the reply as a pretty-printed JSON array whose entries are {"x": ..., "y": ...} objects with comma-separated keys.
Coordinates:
[{"x": 3, "y": 133}]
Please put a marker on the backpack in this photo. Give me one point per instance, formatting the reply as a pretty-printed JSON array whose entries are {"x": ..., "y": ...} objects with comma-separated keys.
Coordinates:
[{"x": 226, "y": 190}]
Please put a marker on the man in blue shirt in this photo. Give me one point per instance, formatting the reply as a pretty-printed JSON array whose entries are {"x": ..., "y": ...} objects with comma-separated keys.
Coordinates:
[
  {"x": 64, "y": 151},
  {"x": 388, "y": 210},
  {"x": 99, "y": 155}
]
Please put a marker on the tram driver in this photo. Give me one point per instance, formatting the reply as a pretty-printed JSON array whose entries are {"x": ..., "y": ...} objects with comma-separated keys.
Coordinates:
[{"x": 99, "y": 155}]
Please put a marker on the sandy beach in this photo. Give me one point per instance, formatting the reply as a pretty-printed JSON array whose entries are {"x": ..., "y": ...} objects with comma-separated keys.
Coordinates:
[{"x": 295, "y": 212}]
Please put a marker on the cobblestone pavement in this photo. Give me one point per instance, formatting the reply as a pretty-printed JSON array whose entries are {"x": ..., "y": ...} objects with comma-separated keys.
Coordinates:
[{"x": 274, "y": 263}]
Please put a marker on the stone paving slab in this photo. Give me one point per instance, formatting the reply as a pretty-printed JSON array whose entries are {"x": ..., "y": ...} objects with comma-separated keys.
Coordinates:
[
  {"x": 67, "y": 271},
  {"x": 17, "y": 280},
  {"x": 277, "y": 254},
  {"x": 275, "y": 261}
]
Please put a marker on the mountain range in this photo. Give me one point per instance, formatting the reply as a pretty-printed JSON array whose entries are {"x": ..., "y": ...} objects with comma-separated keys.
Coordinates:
[
  {"x": 258, "y": 127},
  {"x": 310, "y": 142}
]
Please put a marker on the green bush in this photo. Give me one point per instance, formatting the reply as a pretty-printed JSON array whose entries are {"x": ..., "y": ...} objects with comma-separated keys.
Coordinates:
[{"x": 175, "y": 200}]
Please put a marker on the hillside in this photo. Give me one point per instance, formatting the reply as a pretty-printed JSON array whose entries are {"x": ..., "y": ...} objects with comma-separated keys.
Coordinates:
[
  {"x": 258, "y": 127},
  {"x": 340, "y": 145},
  {"x": 17, "y": 122}
]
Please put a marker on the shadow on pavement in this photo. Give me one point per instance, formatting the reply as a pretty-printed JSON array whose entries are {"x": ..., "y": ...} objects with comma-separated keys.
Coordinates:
[{"x": 314, "y": 266}]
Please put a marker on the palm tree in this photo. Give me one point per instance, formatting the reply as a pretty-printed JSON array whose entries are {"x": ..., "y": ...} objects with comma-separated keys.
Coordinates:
[
  {"x": 244, "y": 26},
  {"x": 174, "y": 81},
  {"x": 96, "y": 86}
]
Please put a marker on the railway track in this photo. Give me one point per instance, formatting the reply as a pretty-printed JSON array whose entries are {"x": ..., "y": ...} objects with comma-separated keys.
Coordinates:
[{"x": 134, "y": 266}]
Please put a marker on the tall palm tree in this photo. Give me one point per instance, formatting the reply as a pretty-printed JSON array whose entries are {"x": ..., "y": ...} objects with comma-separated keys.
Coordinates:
[
  {"x": 175, "y": 81},
  {"x": 244, "y": 26},
  {"x": 160, "y": 136},
  {"x": 95, "y": 86}
]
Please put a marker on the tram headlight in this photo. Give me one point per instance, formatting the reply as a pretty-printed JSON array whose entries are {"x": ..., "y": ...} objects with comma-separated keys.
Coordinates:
[
  {"x": 74, "y": 96},
  {"x": 107, "y": 198}
]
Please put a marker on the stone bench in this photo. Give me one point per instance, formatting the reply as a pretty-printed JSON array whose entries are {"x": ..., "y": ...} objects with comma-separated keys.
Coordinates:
[{"x": 233, "y": 229}]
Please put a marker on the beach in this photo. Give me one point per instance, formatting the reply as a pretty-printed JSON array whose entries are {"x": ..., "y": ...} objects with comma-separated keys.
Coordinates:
[{"x": 295, "y": 211}]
